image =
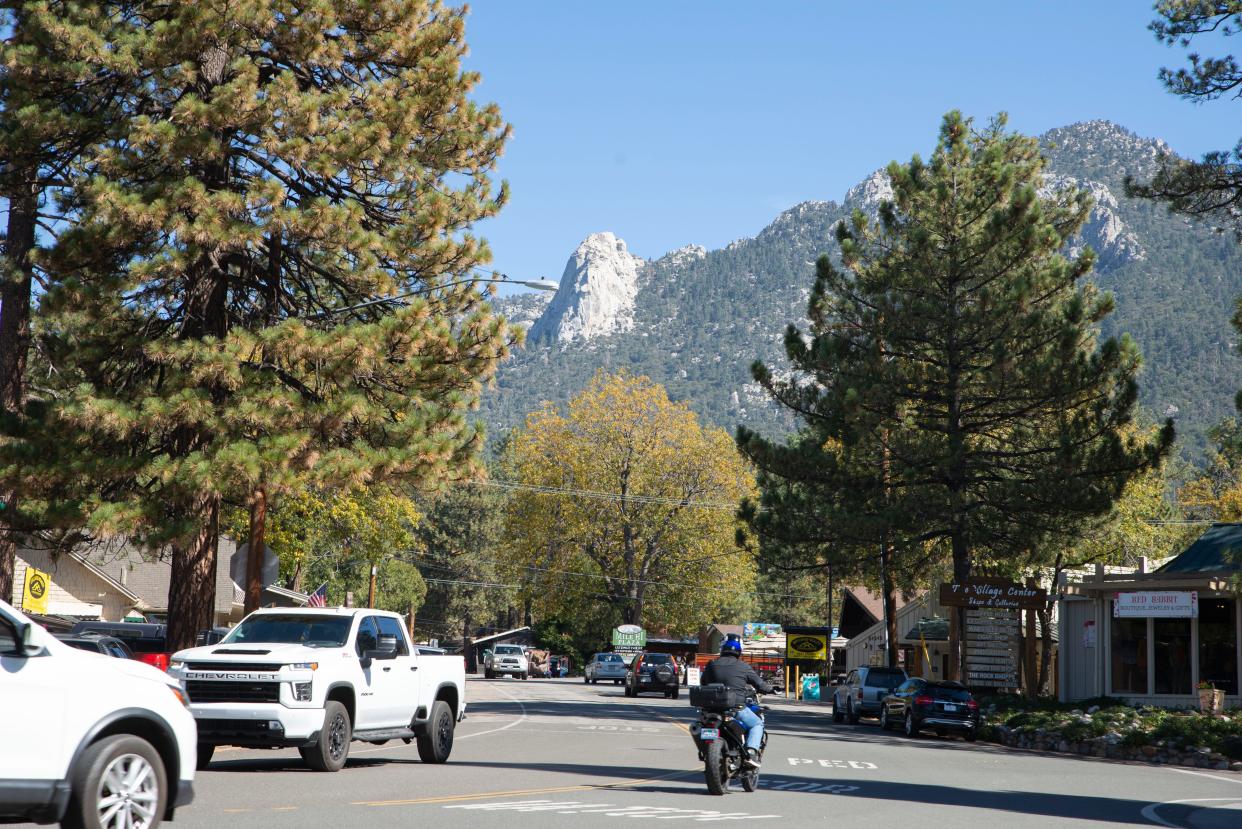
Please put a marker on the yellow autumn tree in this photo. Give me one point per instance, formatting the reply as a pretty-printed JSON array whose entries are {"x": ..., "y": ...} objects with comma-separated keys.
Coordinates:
[{"x": 625, "y": 507}]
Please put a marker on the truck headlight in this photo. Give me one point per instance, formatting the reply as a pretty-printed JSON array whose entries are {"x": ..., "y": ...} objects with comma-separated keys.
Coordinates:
[
  {"x": 302, "y": 691},
  {"x": 176, "y": 664}
]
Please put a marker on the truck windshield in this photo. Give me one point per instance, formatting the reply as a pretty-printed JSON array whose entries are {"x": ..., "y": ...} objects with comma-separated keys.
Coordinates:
[
  {"x": 508, "y": 650},
  {"x": 292, "y": 629}
]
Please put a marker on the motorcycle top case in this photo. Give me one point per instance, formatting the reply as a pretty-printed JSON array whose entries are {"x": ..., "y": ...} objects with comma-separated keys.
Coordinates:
[{"x": 716, "y": 697}]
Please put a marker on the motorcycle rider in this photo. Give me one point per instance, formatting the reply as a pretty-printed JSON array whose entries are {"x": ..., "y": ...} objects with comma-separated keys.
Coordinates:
[{"x": 729, "y": 669}]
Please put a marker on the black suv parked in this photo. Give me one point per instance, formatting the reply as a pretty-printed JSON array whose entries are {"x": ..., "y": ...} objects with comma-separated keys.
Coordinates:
[
  {"x": 653, "y": 672},
  {"x": 943, "y": 707},
  {"x": 96, "y": 643}
]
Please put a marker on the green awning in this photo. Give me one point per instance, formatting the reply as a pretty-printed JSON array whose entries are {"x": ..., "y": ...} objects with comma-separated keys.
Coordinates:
[{"x": 1217, "y": 550}]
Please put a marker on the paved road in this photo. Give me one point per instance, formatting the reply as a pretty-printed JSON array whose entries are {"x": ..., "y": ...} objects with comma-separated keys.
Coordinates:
[{"x": 564, "y": 754}]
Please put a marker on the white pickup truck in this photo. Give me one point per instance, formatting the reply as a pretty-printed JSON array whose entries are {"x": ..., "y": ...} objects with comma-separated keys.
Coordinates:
[
  {"x": 318, "y": 678},
  {"x": 506, "y": 659}
]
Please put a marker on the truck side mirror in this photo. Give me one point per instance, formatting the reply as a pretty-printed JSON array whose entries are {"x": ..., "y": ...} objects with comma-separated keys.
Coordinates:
[{"x": 385, "y": 647}]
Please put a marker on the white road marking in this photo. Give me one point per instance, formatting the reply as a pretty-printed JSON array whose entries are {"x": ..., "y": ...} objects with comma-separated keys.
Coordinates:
[
  {"x": 834, "y": 764},
  {"x": 1208, "y": 776},
  {"x": 1149, "y": 811},
  {"x": 573, "y": 807},
  {"x": 518, "y": 721},
  {"x": 786, "y": 785}
]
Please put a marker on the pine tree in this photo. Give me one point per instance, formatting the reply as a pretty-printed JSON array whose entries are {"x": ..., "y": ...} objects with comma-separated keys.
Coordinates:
[
  {"x": 1212, "y": 186},
  {"x": 217, "y": 329},
  {"x": 58, "y": 99},
  {"x": 961, "y": 337}
]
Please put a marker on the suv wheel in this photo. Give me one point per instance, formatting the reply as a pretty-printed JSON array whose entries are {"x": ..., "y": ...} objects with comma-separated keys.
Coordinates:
[
  {"x": 436, "y": 745},
  {"x": 331, "y": 750},
  {"x": 884, "y": 724},
  {"x": 911, "y": 730},
  {"x": 838, "y": 715},
  {"x": 852, "y": 715},
  {"x": 118, "y": 781}
]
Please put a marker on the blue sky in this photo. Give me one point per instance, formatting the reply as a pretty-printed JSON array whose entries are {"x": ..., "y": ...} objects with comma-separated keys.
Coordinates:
[{"x": 671, "y": 123}]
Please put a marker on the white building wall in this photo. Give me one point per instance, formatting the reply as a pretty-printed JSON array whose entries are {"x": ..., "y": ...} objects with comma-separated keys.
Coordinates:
[{"x": 74, "y": 591}]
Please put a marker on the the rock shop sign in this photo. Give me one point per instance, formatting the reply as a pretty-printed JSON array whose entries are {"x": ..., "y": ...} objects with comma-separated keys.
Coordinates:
[{"x": 1159, "y": 604}]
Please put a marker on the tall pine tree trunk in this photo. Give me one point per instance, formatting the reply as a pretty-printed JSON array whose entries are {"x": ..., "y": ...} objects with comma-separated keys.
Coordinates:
[
  {"x": 888, "y": 590},
  {"x": 192, "y": 594},
  {"x": 15, "y": 287},
  {"x": 256, "y": 548}
]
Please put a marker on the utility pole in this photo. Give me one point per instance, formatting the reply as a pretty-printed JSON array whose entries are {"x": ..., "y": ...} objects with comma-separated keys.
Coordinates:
[{"x": 371, "y": 589}]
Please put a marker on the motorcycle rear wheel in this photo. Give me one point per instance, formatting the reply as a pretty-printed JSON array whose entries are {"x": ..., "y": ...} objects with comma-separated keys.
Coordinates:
[{"x": 716, "y": 768}]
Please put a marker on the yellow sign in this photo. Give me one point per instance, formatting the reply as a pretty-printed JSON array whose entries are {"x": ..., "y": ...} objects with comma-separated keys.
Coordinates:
[
  {"x": 806, "y": 646},
  {"x": 34, "y": 595}
]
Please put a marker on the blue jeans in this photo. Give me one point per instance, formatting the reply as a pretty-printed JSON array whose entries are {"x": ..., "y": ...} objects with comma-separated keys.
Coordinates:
[{"x": 753, "y": 723}]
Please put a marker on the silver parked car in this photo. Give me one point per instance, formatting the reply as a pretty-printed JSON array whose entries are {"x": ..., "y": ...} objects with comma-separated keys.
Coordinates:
[
  {"x": 862, "y": 691},
  {"x": 605, "y": 666}
]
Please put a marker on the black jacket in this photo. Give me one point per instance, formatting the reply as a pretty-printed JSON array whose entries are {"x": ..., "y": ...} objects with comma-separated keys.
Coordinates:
[{"x": 731, "y": 671}]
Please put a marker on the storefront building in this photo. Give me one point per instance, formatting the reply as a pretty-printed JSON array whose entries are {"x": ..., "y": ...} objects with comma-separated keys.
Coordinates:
[{"x": 1152, "y": 638}]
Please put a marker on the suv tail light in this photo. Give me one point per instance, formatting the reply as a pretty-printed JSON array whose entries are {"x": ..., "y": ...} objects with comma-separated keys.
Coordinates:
[
  {"x": 859, "y": 693},
  {"x": 158, "y": 660},
  {"x": 923, "y": 699},
  {"x": 972, "y": 705}
]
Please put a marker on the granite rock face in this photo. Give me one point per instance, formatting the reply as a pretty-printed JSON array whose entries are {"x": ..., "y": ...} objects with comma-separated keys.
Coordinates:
[{"x": 596, "y": 295}]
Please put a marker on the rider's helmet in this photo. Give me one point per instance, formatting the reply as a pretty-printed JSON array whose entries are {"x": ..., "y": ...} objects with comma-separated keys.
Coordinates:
[{"x": 732, "y": 644}]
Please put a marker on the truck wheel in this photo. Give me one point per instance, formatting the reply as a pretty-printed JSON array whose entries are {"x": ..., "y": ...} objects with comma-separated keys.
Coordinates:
[
  {"x": 523, "y": 675},
  {"x": 487, "y": 674},
  {"x": 331, "y": 750},
  {"x": 205, "y": 750},
  {"x": 118, "y": 781},
  {"x": 436, "y": 745}
]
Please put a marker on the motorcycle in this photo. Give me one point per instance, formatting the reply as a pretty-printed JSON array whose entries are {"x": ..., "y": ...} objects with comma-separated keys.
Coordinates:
[{"x": 721, "y": 739}]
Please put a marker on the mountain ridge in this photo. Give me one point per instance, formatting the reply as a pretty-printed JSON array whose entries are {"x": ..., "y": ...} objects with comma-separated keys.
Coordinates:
[{"x": 696, "y": 319}]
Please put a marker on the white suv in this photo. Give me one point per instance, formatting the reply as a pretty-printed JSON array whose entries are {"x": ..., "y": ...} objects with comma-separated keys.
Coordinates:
[{"x": 86, "y": 739}]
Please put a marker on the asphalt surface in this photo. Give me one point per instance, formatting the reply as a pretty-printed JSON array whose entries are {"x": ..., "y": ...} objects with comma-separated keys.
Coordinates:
[{"x": 560, "y": 753}]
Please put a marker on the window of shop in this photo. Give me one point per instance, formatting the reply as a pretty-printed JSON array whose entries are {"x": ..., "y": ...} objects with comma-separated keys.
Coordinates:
[
  {"x": 1129, "y": 649},
  {"x": 1172, "y": 656},
  {"x": 1218, "y": 644}
]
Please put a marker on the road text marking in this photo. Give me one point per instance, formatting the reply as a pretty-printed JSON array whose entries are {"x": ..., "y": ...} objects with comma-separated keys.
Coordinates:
[{"x": 833, "y": 764}]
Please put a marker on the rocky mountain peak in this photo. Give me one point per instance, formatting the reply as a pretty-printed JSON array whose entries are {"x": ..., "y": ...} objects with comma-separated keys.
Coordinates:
[{"x": 596, "y": 293}]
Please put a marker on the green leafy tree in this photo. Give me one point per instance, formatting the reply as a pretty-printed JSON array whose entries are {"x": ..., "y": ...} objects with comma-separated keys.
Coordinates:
[
  {"x": 337, "y": 536},
  {"x": 626, "y": 509},
  {"x": 216, "y": 328},
  {"x": 961, "y": 338}
]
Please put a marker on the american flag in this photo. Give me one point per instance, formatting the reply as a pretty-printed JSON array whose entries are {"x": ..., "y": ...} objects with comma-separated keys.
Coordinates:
[{"x": 319, "y": 598}]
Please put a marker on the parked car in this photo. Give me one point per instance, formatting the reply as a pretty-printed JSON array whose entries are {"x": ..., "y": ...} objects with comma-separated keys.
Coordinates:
[
  {"x": 96, "y": 643},
  {"x": 88, "y": 740},
  {"x": 604, "y": 666},
  {"x": 653, "y": 673},
  {"x": 147, "y": 640},
  {"x": 862, "y": 692},
  {"x": 943, "y": 707}
]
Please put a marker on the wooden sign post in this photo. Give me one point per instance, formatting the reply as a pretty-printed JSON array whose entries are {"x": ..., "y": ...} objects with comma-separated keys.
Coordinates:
[{"x": 992, "y": 637}]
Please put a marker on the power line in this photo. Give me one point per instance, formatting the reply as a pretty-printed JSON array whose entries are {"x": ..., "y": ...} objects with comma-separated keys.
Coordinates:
[{"x": 605, "y": 496}]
